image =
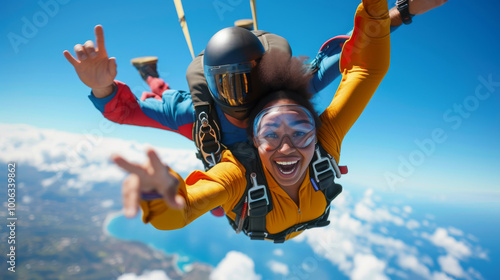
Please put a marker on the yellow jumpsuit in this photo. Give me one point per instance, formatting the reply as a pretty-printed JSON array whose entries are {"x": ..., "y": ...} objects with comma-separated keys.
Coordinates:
[{"x": 364, "y": 62}]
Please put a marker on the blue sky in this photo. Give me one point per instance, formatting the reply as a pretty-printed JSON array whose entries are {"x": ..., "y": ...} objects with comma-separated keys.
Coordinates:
[{"x": 437, "y": 64}]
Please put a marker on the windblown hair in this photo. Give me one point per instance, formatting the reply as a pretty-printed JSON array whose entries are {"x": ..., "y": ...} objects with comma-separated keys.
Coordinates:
[{"x": 282, "y": 77}]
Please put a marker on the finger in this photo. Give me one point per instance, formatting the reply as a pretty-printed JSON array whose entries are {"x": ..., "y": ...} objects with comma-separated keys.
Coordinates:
[
  {"x": 131, "y": 194},
  {"x": 99, "y": 38},
  {"x": 70, "y": 58},
  {"x": 90, "y": 49},
  {"x": 112, "y": 66},
  {"x": 155, "y": 161},
  {"x": 80, "y": 52},
  {"x": 180, "y": 202},
  {"x": 126, "y": 165}
]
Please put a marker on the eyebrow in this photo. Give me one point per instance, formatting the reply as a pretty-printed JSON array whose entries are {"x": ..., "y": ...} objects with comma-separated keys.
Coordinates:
[
  {"x": 291, "y": 124},
  {"x": 300, "y": 122}
]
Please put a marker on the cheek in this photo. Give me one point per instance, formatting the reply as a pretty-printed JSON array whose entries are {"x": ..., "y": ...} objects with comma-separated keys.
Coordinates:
[
  {"x": 264, "y": 156},
  {"x": 308, "y": 154}
]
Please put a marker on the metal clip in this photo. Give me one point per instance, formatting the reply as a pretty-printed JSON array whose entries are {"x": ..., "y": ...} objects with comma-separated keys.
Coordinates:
[
  {"x": 256, "y": 192},
  {"x": 338, "y": 174}
]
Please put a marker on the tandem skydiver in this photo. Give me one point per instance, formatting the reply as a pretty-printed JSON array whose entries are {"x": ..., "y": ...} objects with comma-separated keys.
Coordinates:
[{"x": 271, "y": 189}]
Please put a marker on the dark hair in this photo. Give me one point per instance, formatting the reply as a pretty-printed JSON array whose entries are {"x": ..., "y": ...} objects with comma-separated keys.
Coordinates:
[{"x": 282, "y": 77}]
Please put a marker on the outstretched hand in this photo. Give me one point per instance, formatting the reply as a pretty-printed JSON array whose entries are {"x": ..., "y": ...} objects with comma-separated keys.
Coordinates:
[
  {"x": 418, "y": 7},
  {"x": 153, "y": 176},
  {"x": 93, "y": 66}
]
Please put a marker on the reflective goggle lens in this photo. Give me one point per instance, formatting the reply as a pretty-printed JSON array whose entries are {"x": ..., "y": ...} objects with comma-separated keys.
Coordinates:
[
  {"x": 230, "y": 84},
  {"x": 276, "y": 123}
]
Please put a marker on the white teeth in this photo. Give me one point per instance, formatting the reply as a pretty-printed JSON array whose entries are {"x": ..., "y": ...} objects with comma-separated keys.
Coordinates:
[
  {"x": 286, "y": 162},
  {"x": 286, "y": 173},
  {"x": 282, "y": 163}
]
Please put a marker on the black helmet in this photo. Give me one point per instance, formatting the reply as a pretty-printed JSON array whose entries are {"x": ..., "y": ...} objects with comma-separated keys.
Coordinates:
[{"x": 229, "y": 58}]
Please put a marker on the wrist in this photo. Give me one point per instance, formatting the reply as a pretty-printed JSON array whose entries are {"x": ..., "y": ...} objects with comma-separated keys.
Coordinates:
[
  {"x": 152, "y": 195},
  {"x": 403, "y": 6},
  {"x": 395, "y": 17},
  {"x": 104, "y": 91}
]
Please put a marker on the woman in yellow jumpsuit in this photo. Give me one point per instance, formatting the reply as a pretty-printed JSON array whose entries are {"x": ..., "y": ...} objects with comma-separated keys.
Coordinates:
[{"x": 364, "y": 62}]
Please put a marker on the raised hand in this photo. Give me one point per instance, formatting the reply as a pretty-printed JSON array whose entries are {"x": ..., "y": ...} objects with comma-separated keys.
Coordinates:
[
  {"x": 153, "y": 176},
  {"x": 93, "y": 66},
  {"x": 418, "y": 7}
]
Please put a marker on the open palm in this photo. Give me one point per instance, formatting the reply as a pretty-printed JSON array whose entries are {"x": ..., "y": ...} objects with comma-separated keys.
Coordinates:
[{"x": 93, "y": 66}]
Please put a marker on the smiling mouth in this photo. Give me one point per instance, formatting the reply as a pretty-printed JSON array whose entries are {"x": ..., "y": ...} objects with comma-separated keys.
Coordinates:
[{"x": 287, "y": 167}]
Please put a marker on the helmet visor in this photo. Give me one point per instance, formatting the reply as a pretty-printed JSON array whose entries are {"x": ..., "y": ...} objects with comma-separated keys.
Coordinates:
[
  {"x": 272, "y": 125},
  {"x": 231, "y": 83}
]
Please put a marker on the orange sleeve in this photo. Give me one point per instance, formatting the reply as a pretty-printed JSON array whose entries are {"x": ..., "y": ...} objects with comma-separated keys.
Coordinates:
[
  {"x": 224, "y": 184},
  {"x": 364, "y": 62}
]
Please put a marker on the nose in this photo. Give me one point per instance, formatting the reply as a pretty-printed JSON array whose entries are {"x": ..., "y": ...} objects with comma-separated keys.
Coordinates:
[{"x": 286, "y": 147}]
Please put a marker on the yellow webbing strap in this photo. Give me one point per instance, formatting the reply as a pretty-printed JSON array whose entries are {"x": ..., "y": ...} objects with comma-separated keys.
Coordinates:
[
  {"x": 182, "y": 21},
  {"x": 254, "y": 14}
]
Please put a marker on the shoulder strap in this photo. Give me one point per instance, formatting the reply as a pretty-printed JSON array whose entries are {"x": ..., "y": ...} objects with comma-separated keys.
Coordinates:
[
  {"x": 272, "y": 41},
  {"x": 206, "y": 135},
  {"x": 206, "y": 129},
  {"x": 256, "y": 201},
  {"x": 323, "y": 169}
]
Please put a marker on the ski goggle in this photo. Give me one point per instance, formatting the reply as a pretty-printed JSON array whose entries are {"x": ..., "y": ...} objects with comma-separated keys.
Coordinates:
[
  {"x": 231, "y": 83},
  {"x": 272, "y": 125}
]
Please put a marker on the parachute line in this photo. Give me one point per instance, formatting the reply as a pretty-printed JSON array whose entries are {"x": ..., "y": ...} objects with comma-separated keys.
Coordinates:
[{"x": 182, "y": 21}]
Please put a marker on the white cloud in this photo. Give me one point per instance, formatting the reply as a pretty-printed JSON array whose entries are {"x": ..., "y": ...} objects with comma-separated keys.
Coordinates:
[
  {"x": 365, "y": 210},
  {"x": 235, "y": 265},
  {"x": 391, "y": 246},
  {"x": 430, "y": 217},
  {"x": 455, "y": 231},
  {"x": 456, "y": 248},
  {"x": 401, "y": 274},
  {"x": 278, "y": 267},
  {"x": 451, "y": 265},
  {"x": 472, "y": 237},
  {"x": 440, "y": 276},
  {"x": 147, "y": 275},
  {"x": 107, "y": 203},
  {"x": 395, "y": 209},
  {"x": 27, "y": 199},
  {"x": 278, "y": 252},
  {"x": 408, "y": 209},
  {"x": 412, "y": 224},
  {"x": 368, "y": 267},
  {"x": 84, "y": 157},
  {"x": 475, "y": 274},
  {"x": 384, "y": 230},
  {"x": 412, "y": 263}
]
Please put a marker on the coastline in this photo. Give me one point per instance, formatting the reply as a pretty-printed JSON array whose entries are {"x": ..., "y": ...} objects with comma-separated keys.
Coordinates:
[
  {"x": 175, "y": 257},
  {"x": 109, "y": 217}
]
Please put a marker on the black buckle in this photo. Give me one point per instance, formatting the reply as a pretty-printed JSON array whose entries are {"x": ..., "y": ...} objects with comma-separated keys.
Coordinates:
[
  {"x": 257, "y": 235},
  {"x": 322, "y": 168},
  {"x": 257, "y": 198}
]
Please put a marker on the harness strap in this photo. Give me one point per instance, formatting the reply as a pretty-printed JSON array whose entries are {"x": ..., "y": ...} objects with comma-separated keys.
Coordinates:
[{"x": 206, "y": 135}]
